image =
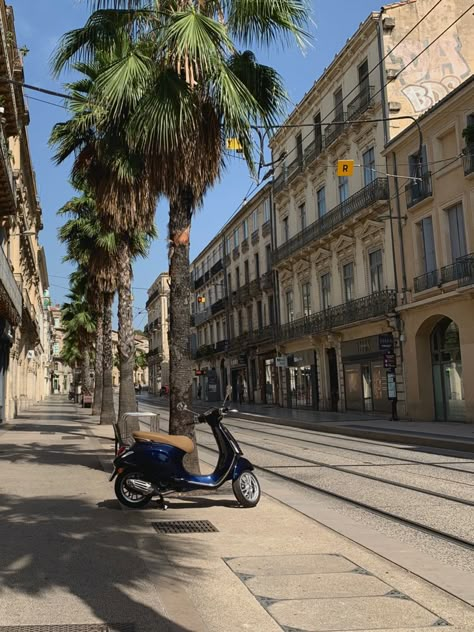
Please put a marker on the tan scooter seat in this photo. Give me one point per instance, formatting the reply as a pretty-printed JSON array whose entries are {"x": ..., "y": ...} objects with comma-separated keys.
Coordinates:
[{"x": 178, "y": 441}]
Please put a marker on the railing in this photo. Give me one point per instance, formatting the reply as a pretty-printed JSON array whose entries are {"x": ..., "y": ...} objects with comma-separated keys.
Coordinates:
[
  {"x": 334, "y": 130},
  {"x": 361, "y": 103},
  {"x": 152, "y": 297},
  {"x": 245, "y": 245},
  {"x": 266, "y": 281},
  {"x": 218, "y": 306},
  {"x": 280, "y": 182},
  {"x": 371, "y": 306},
  {"x": 255, "y": 237},
  {"x": 313, "y": 150},
  {"x": 468, "y": 160},
  {"x": 241, "y": 295},
  {"x": 426, "y": 281},
  {"x": 217, "y": 267},
  {"x": 373, "y": 192},
  {"x": 254, "y": 288},
  {"x": 236, "y": 253},
  {"x": 7, "y": 165},
  {"x": 467, "y": 271},
  {"x": 9, "y": 283},
  {"x": 418, "y": 190},
  {"x": 295, "y": 168},
  {"x": 201, "y": 317},
  {"x": 460, "y": 270},
  {"x": 266, "y": 228}
]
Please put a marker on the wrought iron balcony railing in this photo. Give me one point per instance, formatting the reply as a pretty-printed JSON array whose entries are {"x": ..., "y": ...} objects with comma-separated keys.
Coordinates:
[
  {"x": 418, "y": 190},
  {"x": 313, "y": 150},
  {"x": 460, "y": 270},
  {"x": 11, "y": 288},
  {"x": 7, "y": 179},
  {"x": 218, "y": 306},
  {"x": 361, "y": 103},
  {"x": 202, "y": 317},
  {"x": 295, "y": 168},
  {"x": 376, "y": 304},
  {"x": 280, "y": 182},
  {"x": 255, "y": 237},
  {"x": 334, "y": 129},
  {"x": 373, "y": 192},
  {"x": 426, "y": 281},
  {"x": 217, "y": 267},
  {"x": 468, "y": 160}
]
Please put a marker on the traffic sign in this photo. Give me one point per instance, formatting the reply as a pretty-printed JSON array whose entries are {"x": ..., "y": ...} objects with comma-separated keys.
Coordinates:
[{"x": 345, "y": 167}]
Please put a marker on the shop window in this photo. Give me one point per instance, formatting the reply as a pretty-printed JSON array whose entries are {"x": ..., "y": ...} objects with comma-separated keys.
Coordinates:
[{"x": 376, "y": 271}]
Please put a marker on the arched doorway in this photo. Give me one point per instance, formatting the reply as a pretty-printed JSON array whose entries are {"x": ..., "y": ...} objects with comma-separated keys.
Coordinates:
[{"x": 446, "y": 360}]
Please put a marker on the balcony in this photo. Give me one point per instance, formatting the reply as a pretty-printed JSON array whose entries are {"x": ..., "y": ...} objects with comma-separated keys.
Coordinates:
[
  {"x": 372, "y": 306},
  {"x": 245, "y": 245},
  {"x": 295, "y": 168},
  {"x": 204, "y": 278},
  {"x": 266, "y": 228},
  {"x": 10, "y": 293},
  {"x": 241, "y": 295},
  {"x": 266, "y": 281},
  {"x": 7, "y": 180},
  {"x": 218, "y": 306},
  {"x": 254, "y": 288},
  {"x": 202, "y": 317},
  {"x": 360, "y": 104},
  {"x": 236, "y": 253},
  {"x": 334, "y": 130},
  {"x": 426, "y": 281},
  {"x": 468, "y": 161},
  {"x": 217, "y": 267},
  {"x": 313, "y": 150},
  {"x": 461, "y": 271},
  {"x": 374, "y": 192},
  {"x": 255, "y": 238},
  {"x": 418, "y": 190},
  {"x": 207, "y": 351},
  {"x": 280, "y": 182},
  {"x": 152, "y": 297}
]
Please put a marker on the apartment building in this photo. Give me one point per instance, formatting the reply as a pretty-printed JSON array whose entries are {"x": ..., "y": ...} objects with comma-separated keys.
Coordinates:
[
  {"x": 157, "y": 328},
  {"x": 61, "y": 373},
  {"x": 434, "y": 249},
  {"x": 24, "y": 358},
  {"x": 233, "y": 311},
  {"x": 336, "y": 286}
]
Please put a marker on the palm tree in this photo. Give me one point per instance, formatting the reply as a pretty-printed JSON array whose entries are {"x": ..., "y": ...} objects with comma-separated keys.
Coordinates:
[
  {"x": 118, "y": 178},
  {"x": 182, "y": 87}
]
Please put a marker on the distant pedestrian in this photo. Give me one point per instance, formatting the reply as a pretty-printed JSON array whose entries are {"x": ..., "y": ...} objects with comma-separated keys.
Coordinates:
[{"x": 199, "y": 391}]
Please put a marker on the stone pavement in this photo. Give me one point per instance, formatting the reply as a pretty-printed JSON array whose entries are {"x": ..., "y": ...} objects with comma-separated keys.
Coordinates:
[{"x": 70, "y": 555}]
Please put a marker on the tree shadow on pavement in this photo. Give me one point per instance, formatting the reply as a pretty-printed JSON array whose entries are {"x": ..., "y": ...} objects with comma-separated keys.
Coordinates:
[
  {"x": 57, "y": 547},
  {"x": 64, "y": 453}
]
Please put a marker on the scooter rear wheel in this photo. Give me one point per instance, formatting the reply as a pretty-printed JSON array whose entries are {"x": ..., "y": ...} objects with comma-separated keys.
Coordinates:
[
  {"x": 247, "y": 489},
  {"x": 126, "y": 496}
]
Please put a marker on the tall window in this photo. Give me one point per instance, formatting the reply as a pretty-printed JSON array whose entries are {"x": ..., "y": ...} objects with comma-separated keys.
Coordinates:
[
  {"x": 232, "y": 326},
  {"x": 221, "y": 251},
  {"x": 302, "y": 212},
  {"x": 237, "y": 277},
  {"x": 418, "y": 166},
  {"x": 56, "y": 348},
  {"x": 285, "y": 229},
  {"x": 348, "y": 281},
  {"x": 271, "y": 310},
  {"x": 268, "y": 257},
  {"x": 240, "y": 323},
  {"x": 368, "y": 158},
  {"x": 246, "y": 271},
  {"x": 343, "y": 186},
  {"x": 326, "y": 290},
  {"x": 255, "y": 220},
  {"x": 428, "y": 244},
  {"x": 218, "y": 330},
  {"x": 299, "y": 148},
  {"x": 376, "y": 271},
  {"x": 229, "y": 283},
  {"x": 364, "y": 79},
  {"x": 228, "y": 245},
  {"x": 290, "y": 314},
  {"x": 338, "y": 105},
  {"x": 249, "y": 318},
  {"x": 457, "y": 236},
  {"x": 245, "y": 229},
  {"x": 321, "y": 199},
  {"x": 266, "y": 210},
  {"x": 259, "y": 315},
  {"x": 318, "y": 133},
  {"x": 257, "y": 266},
  {"x": 306, "y": 298}
]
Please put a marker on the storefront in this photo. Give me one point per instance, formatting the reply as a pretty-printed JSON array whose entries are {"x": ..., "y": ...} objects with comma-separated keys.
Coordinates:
[
  {"x": 239, "y": 378},
  {"x": 270, "y": 381},
  {"x": 366, "y": 362},
  {"x": 302, "y": 391}
]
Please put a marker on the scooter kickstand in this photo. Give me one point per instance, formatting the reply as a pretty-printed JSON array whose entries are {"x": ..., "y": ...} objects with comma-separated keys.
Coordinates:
[{"x": 162, "y": 504}]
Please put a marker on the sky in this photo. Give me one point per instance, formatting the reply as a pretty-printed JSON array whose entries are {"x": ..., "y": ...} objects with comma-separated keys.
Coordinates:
[{"x": 40, "y": 24}]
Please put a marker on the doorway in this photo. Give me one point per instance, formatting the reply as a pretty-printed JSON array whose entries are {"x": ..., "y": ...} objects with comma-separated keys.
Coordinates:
[
  {"x": 448, "y": 386},
  {"x": 333, "y": 378}
]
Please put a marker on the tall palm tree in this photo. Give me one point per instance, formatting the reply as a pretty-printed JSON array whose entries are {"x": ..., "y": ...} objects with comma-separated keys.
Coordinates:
[
  {"x": 119, "y": 179},
  {"x": 182, "y": 87}
]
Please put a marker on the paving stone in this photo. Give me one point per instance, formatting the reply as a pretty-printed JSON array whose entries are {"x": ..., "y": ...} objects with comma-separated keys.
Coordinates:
[
  {"x": 357, "y": 613},
  {"x": 291, "y": 564},
  {"x": 306, "y": 586}
]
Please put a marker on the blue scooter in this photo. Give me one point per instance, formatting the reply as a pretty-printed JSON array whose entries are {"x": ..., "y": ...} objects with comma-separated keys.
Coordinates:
[{"x": 153, "y": 466}]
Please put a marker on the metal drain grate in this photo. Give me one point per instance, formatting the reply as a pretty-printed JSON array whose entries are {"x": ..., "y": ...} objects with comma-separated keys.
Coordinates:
[
  {"x": 87, "y": 627},
  {"x": 72, "y": 438},
  {"x": 184, "y": 526}
]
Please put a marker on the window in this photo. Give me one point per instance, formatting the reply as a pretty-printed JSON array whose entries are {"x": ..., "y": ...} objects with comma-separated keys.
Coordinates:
[
  {"x": 428, "y": 245},
  {"x": 221, "y": 251},
  {"x": 255, "y": 220},
  {"x": 229, "y": 283},
  {"x": 364, "y": 78},
  {"x": 289, "y": 306},
  {"x": 376, "y": 271},
  {"x": 321, "y": 199},
  {"x": 268, "y": 257},
  {"x": 56, "y": 348},
  {"x": 266, "y": 210},
  {"x": 348, "y": 281},
  {"x": 318, "y": 134},
  {"x": 326, "y": 290},
  {"x": 418, "y": 167},
  {"x": 302, "y": 212},
  {"x": 457, "y": 236},
  {"x": 257, "y": 266},
  {"x": 259, "y": 315},
  {"x": 237, "y": 277},
  {"x": 271, "y": 310},
  {"x": 246, "y": 271},
  {"x": 211, "y": 329},
  {"x": 236, "y": 237},
  {"x": 338, "y": 105},
  {"x": 343, "y": 186},
  {"x": 228, "y": 245},
  {"x": 209, "y": 263},
  {"x": 368, "y": 158},
  {"x": 56, "y": 322},
  {"x": 240, "y": 323},
  {"x": 299, "y": 148},
  {"x": 232, "y": 326},
  {"x": 245, "y": 229},
  {"x": 249, "y": 318},
  {"x": 306, "y": 298},
  {"x": 285, "y": 229},
  {"x": 218, "y": 331},
  {"x": 210, "y": 296}
]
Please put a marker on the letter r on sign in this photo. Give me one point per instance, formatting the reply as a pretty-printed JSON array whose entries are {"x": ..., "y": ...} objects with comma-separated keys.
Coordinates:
[{"x": 345, "y": 167}]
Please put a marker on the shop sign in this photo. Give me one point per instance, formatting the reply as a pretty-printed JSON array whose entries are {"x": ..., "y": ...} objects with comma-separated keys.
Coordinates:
[
  {"x": 281, "y": 362},
  {"x": 391, "y": 385},
  {"x": 385, "y": 342},
  {"x": 390, "y": 360}
]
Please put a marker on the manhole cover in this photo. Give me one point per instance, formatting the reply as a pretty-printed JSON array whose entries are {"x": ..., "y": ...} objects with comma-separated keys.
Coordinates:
[
  {"x": 87, "y": 627},
  {"x": 73, "y": 437},
  {"x": 184, "y": 526}
]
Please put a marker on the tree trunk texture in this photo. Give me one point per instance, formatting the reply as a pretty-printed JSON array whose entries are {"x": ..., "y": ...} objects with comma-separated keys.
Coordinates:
[
  {"x": 107, "y": 412},
  {"x": 86, "y": 367},
  {"x": 126, "y": 341},
  {"x": 179, "y": 331},
  {"x": 99, "y": 352}
]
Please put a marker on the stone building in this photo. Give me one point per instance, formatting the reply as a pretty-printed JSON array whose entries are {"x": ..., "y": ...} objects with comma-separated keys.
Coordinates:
[
  {"x": 157, "y": 307},
  {"x": 61, "y": 372},
  {"x": 434, "y": 250}
]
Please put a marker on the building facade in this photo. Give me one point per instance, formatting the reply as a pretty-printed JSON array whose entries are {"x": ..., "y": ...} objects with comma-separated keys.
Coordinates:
[
  {"x": 156, "y": 330},
  {"x": 339, "y": 332},
  {"x": 24, "y": 322},
  {"x": 434, "y": 248},
  {"x": 61, "y": 373},
  {"x": 233, "y": 311}
]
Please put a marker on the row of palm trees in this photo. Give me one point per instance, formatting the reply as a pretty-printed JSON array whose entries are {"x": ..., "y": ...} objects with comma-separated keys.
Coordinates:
[{"x": 162, "y": 84}]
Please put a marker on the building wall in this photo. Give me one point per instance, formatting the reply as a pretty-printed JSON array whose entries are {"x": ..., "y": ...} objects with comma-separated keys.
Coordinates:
[{"x": 157, "y": 332}]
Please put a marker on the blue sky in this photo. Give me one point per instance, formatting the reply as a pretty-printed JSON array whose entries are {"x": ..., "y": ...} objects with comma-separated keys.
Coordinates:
[{"x": 39, "y": 25}]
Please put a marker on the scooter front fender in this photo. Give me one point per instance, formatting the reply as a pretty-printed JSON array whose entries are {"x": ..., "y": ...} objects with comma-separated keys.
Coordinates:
[{"x": 241, "y": 466}]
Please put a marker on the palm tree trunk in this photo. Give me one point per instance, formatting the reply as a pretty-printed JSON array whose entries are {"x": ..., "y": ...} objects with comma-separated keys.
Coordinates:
[
  {"x": 99, "y": 352},
  {"x": 179, "y": 331},
  {"x": 86, "y": 366},
  {"x": 126, "y": 342},
  {"x": 107, "y": 412}
]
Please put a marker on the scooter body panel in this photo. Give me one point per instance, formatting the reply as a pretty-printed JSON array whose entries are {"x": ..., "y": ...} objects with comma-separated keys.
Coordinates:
[{"x": 242, "y": 465}]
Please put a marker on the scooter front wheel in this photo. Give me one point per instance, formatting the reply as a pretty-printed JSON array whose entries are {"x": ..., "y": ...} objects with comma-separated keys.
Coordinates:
[
  {"x": 126, "y": 496},
  {"x": 247, "y": 489}
]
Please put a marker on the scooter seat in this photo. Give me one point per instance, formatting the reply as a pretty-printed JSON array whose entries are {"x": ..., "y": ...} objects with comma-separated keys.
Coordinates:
[{"x": 178, "y": 441}]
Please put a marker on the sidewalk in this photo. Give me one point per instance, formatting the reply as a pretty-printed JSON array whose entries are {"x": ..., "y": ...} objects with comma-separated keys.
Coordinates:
[
  {"x": 444, "y": 435},
  {"x": 70, "y": 555}
]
